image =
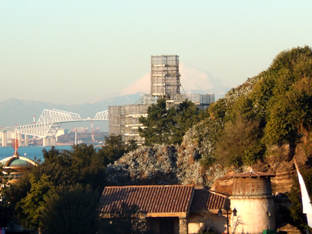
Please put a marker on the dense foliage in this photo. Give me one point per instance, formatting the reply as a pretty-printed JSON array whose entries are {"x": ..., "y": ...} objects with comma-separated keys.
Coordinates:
[
  {"x": 168, "y": 125},
  {"x": 297, "y": 217},
  {"x": 70, "y": 209},
  {"x": 66, "y": 182},
  {"x": 274, "y": 108}
]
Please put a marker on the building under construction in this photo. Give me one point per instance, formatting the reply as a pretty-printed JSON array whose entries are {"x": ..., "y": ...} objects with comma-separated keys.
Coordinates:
[{"x": 165, "y": 84}]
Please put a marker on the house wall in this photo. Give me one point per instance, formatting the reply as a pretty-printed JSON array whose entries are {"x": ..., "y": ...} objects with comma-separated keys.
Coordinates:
[{"x": 201, "y": 221}]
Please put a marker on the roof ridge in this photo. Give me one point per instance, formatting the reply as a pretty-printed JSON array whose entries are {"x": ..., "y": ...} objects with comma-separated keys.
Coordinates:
[{"x": 158, "y": 185}]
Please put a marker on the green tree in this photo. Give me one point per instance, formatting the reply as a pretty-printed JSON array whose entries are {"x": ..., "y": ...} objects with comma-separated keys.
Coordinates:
[
  {"x": 114, "y": 148},
  {"x": 88, "y": 166},
  {"x": 158, "y": 124},
  {"x": 30, "y": 208},
  {"x": 298, "y": 218},
  {"x": 288, "y": 117},
  {"x": 70, "y": 209},
  {"x": 187, "y": 115},
  {"x": 11, "y": 195},
  {"x": 168, "y": 126},
  {"x": 237, "y": 136},
  {"x": 83, "y": 164}
]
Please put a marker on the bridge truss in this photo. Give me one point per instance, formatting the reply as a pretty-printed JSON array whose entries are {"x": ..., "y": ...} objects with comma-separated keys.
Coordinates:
[{"x": 50, "y": 121}]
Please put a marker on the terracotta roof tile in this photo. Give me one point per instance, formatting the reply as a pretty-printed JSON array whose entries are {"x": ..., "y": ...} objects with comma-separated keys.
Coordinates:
[
  {"x": 150, "y": 199},
  {"x": 207, "y": 200}
]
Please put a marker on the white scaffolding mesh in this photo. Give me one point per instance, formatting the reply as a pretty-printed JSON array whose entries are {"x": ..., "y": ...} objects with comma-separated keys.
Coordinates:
[
  {"x": 124, "y": 121},
  {"x": 165, "y": 76}
]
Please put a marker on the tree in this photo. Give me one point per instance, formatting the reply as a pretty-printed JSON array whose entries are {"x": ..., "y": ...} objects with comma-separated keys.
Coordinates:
[
  {"x": 88, "y": 166},
  {"x": 158, "y": 124},
  {"x": 298, "y": 218},
  {"x": 115, "y": 148},
  {"x": 11, "y": 195},
  {"x": 187, "y": 115},
  {"x": 83, "y": 164},
  {"x": 70, "y": 209},
  {"x": 30, "y": 207},
  {"x": 237, "y": 136},
  {"x": 168, "y": 126}
]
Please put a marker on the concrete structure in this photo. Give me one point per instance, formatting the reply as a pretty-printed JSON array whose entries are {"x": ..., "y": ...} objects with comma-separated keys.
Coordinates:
[
  {"x": 7, "y": 136},
  {"x": 253, "y": 200},
  {"x": 4, "y": 139}
]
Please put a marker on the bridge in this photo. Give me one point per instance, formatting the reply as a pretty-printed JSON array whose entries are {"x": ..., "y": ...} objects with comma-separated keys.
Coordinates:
[{"x": 48, "y": 124}]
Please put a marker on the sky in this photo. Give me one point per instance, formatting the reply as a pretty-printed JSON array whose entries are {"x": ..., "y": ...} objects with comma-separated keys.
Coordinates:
[{"x": 74, "y": 52}]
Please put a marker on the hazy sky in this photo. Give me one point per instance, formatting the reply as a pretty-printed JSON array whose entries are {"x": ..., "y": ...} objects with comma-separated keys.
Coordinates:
[{"x": 74, "y": 52}]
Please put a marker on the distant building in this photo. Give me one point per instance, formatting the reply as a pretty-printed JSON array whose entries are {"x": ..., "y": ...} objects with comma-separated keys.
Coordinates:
[{"x": 165, "y": 84}]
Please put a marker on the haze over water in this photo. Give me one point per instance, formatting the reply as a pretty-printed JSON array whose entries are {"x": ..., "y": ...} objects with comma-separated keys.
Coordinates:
[{"x": 31, "y": 152}]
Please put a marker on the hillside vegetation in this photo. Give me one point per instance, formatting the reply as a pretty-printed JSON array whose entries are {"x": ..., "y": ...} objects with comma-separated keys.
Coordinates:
[{"x": 273, "y": 108}]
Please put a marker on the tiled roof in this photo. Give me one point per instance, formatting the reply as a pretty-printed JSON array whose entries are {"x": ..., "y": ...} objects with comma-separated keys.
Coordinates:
[
  {"x": 150, "y": 199},
  {"x": 207, "y": 200}
]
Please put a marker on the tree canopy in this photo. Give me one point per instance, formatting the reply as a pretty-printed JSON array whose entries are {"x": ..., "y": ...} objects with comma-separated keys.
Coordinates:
[
  {"x": 63, "y": 183},
  {"x": 279, "y": 101},
  {"x": 168, "y": 125}
]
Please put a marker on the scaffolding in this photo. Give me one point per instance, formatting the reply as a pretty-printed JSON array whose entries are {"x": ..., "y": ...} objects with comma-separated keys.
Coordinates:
[
  {"x": 165, "y": 84},
  {"x": 124, "y": 121},
  {"x": 165, "y": 76}
]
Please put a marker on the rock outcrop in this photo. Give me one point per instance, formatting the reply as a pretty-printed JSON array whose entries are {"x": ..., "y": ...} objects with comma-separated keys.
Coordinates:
[{"x": 162, "y": 164}]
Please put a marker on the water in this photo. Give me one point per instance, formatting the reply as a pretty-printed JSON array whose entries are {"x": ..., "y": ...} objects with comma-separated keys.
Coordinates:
[{"x": 30, "y": 152}]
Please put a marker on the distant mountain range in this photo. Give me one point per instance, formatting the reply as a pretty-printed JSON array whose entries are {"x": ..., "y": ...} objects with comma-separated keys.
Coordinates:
[{"x": 21, "y": 112}]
